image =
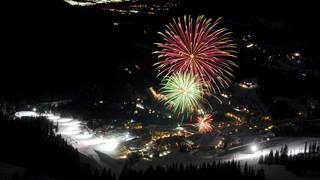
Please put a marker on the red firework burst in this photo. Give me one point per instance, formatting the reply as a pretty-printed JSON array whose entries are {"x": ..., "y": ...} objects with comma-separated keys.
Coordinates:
[
  {"x": 198, "y": 48},
  {"x": 204, "y": 124}
]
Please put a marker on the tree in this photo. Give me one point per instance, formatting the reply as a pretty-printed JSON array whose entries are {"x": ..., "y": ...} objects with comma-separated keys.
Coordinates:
[
  {"x": 270, "y": 158},
  {"x": 245, "y": 170},
  {"x": 260, "y": 161},
  {"x": 284, "y": 155},
  {"x": 277, "y": 157}
]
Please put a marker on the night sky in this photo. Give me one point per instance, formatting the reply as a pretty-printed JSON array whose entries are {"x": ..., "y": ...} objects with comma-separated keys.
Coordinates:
[
  {"x": 51, "y": 44},
  {"x": 79, "y": 91}
]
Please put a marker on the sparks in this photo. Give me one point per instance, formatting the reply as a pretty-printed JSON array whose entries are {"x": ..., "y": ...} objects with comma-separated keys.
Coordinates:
[
  {"x": 198, "y": 48},
  {"x": 204, "y": 124},
  {"x": 183, "y": 92}
]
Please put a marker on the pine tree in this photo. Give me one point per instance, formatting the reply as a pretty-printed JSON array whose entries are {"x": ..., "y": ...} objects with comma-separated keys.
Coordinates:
[
  {"x": 284, "y": 155},
  {"x": 260, "y": 159},
  {"x": 245, "y": 169},
  {"x": 305, "y": 147},
  {"x": 270, "y": 158},
  {"x": 310, "y": 148},
  {"x": 277, "y": 158}
]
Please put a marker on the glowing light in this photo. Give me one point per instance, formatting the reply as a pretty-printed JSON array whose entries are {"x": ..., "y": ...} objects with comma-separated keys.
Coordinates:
[
  {"x": 139, "y": 106},
  {"x": 84, "y": 136},
  {"x": 254, "y": 148},
  {"x": 53, "y": 118},
  {"x": 199, "y": 48},
  {"x": 247, "y": 85},
  {"x": 204, "y": 124},
  {"x": 236, "y": 109},
  {"x": 154, "y": 93},
  {"x": 72, "y": 123},
  {"x": 64, "y": 120},
  {"x": 200, "y": 111},
  {"x": 110, "y": 145},
  {"x": 71, "y": 128},
  {"x": 47, "y": 115},
  {"x": 224, "y": 95},
  {"x": 269, "y": 128},
  {"x": 228, "y": 114},
  {"x": 126, "y": 137},
  {"x": 183, "y": 92},
  {"x": 93, "y": 141},
  {"x": 34, "y": 109},
  {"x": 76, "y": 3},
  {"x": 21, "y": 114},
  {"x": 254, "y": 155},
  {"x": 250, "y": 45},
  {"x": 179, "y": 128},
  {"x": 73, "y": 132},
  {"x": 295, "y": 151}
]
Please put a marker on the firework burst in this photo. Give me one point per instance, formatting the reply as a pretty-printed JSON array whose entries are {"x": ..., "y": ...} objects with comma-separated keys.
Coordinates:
[
  {"x": 198, "y": 48},
  {"x": 183, "y": 92},
  {"x": 204, "y": 124}
]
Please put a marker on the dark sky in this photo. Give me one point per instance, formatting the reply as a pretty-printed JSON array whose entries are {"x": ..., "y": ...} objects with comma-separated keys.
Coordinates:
[{"x": 46, "y": 40}]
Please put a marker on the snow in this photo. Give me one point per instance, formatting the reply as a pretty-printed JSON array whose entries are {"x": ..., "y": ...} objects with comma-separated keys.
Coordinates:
[{"x": 104, "y": 149}]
